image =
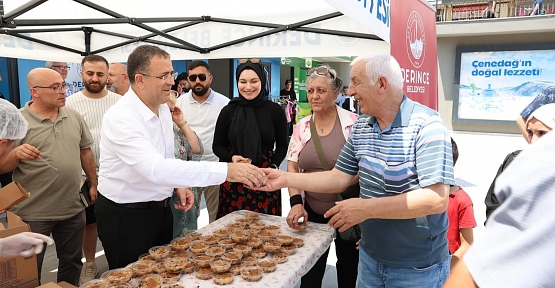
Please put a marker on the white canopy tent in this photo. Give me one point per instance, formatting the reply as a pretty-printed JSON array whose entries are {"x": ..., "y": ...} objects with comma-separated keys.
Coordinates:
[{"x": 69, "y": 29}]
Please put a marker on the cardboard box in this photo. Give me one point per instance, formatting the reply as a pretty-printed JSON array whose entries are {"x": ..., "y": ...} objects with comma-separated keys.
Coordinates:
[
  {"x": 20, "y": 272},
  {"x": 12, "y": 194},
  {"x": 58, "y": 285}
]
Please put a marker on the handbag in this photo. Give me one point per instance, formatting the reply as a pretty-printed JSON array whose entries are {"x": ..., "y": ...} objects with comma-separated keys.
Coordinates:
[{"x": 353, "y": 233}]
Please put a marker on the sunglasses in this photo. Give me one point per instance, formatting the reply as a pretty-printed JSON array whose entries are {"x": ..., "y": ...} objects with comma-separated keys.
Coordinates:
[
  {"x": 322, "y": 71},
  {"x": 193, "y": 77},
  {"x": 252, "y": 60}
]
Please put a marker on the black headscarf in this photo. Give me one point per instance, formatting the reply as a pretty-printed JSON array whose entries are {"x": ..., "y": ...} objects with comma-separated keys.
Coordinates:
[{"x": 243, "y": 133}]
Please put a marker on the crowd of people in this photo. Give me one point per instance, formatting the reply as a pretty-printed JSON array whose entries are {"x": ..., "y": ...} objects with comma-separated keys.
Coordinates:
[{"x": 144, "y": 143}]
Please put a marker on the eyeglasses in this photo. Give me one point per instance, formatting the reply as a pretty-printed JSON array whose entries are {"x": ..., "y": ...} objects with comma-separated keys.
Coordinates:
[
  {"x": 252, "y": 60},
  {"x": 322, "y": 71},
  {"x": 60, "y": 67},
  {"x": 165, "y": 77},
  {"x": 57, "y": 88},
  {"x": 201, "y": 77},
  {"x": 114, "y": 75}
]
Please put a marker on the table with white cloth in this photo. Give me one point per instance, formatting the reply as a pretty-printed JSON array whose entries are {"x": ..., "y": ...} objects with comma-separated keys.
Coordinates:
[{"x": 317, "y": 239}]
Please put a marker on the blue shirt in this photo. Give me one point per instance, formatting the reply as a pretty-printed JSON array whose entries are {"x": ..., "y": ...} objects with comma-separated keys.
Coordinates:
[{"x": 413, "y": 152}]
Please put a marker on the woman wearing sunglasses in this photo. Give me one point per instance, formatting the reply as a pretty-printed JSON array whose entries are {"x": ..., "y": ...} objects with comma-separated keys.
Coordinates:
[
  {"x": 331, "y": 126},
  {"x": 247, "y": 130}
]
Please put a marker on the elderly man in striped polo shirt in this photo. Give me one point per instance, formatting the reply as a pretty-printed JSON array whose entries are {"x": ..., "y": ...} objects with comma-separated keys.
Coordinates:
[{"x": 402, "y": 152}]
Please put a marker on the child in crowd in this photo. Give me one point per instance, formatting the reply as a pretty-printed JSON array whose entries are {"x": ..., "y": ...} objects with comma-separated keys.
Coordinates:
[{"x": 461, "y": 217}]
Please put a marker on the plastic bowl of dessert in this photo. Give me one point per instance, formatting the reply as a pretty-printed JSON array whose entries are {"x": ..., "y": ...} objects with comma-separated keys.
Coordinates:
[
  {"x": 189, "y": 267},
  {"x": 146, "y": 256},
  {"x": 301, "y": 226},
  {"x": 142, "y": 267},
  {"x": 210, "y": 239},
  {"x": 289, "y": 249},
  {"x": 279, "y": 257},
  {"x": 254, "y": 242},
  {"x": 121, "y": 275},
  {"x": 180, "y": 244},
  {"x": 236, "y": 268},
  {"x": 284, "y": 239},
  {"x": 151, "y": 281},
  {"x": 243, "y": 221},
  {"x": 224, "y": 278},
  {"x": 215, "y": 251},
  {"x": 298, "y": 242},
  {"x": 239, "y": 236},
  {"x": 203, "y": 273},
  {"x": 220, "y": 265},
  {"x": 203, "y": 260},
  {"x": 159, "y": 267},
  {"x": 193, "y": 236},
  {"x": 226, "y": 243},
  {"x": 268, "y": 265},
  {"x": 181, "y": 254},
  {"x": 271, "y": 246},
  {"x": 175, "y": 265},
  {"x": 222, "y": 232},
  {"x": 253, "y": 216},
  {"x": 171, "y": 277},
  {"x": 257, "y": 225},
  {"x": 235, "y": 226},
  {"x": 243, "y": 248},
  {"x": 272, "y": 229},
  {"x": 198, "y": 247},
  {"x": 250, "y": 261},
  {"x": 252, "y": 274},
  {"x": 95, "y": 283},
  {"x": 265, "y": 235},
  {"x": 120, "y": 285},
  {"x": 258, "y": 252},
  {"x": 159, "y": 252},
  {"x": 234, "y": 257}
]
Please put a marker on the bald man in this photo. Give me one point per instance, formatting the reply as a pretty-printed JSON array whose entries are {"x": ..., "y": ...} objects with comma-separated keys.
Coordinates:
[
  {"x": 118, "y": 81},
  {"x": 48, "y": 162}
]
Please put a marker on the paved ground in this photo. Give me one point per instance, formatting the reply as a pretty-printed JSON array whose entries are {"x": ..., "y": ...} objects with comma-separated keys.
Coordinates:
[{"x": 479, "y": 157}]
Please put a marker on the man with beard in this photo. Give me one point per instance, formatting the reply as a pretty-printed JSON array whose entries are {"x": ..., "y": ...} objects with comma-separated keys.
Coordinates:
[
  {"x": 92, "y": 103},
  {"x": 118, "y": 81},
  {"x": 63, "y": 69},
  {"x": 200, "y": 109}
]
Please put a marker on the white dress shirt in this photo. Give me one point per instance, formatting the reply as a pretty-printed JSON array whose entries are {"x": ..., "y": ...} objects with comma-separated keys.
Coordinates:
[
  {"x": 202, "y": 117},
  {"x": 137, "y": 155}
]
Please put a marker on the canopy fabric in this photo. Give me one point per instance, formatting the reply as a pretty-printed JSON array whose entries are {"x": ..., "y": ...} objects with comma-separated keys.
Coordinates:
[{"x": 57, "y": 29}]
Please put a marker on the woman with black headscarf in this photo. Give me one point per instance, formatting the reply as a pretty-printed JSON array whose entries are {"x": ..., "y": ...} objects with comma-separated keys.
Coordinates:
[{"x": 247, "y": 130}]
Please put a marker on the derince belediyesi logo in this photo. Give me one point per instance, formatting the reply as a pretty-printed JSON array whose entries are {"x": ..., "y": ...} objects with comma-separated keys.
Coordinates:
[{"x": 416, "y": 39}]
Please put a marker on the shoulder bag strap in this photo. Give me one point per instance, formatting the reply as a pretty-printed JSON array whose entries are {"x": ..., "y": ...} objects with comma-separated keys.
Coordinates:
[{"x": 320, "y": 151}]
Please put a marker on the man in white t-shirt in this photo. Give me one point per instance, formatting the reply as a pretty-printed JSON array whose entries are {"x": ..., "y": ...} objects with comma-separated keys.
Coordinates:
[
  {"x": 92, "y": 102},
  {"x": 201, "y": 107}
]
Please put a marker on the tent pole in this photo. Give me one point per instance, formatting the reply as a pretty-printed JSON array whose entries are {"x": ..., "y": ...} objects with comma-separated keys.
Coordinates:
[
  {"x": 88, "y": 31},
  {"x": 20, "y": 11},
  {"x": 46, "y": 30},
  {"x": 42, "y": 42},
  {"x": 339, "y": 33}
]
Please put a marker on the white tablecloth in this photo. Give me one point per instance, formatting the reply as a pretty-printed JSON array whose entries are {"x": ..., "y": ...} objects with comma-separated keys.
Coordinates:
[{"x": 317, "y": 239}]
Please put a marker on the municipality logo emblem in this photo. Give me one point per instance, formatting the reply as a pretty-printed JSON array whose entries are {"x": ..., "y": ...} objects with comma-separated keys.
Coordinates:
[{"x": 416, "y": 39}]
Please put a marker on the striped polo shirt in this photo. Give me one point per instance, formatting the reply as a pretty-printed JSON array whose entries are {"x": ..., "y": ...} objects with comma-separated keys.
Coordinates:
[{"x": 413, "y": 152}]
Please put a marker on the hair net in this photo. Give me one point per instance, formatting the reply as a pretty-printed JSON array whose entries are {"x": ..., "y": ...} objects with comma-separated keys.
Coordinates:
[
  {"x": 545, "y": 114},
  {"x": 12, "y": 124}
]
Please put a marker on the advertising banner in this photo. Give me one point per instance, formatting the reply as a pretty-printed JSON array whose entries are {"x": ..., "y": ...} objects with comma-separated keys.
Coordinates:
[
  {"x": 498, "y": 85},
  {"x": 373, "y": 15},
  {"x": 414, "y": 45}
]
